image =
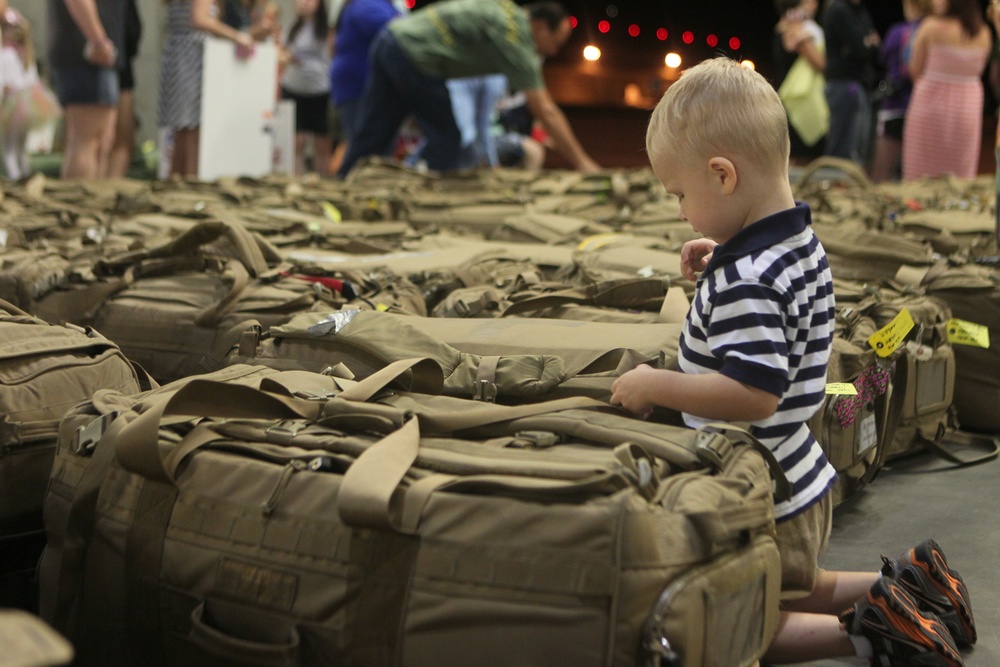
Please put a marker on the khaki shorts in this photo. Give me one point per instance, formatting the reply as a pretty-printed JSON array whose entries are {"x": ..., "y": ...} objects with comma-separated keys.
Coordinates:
[{"x": 801, "y": 540}]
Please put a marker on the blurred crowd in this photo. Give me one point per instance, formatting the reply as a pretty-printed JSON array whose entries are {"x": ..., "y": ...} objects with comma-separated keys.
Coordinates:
[
  {"x": 905, "y": 104},
  {"x": 458, "y": 84}
]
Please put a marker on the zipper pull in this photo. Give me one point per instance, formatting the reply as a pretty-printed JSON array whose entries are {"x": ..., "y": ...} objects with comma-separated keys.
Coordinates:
[{"x": 290, "y": 469}]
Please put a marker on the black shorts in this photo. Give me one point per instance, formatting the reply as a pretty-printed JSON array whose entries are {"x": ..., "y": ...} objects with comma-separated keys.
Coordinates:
[
  {"x": 86, "y": 84},
  {"x": 311, "y": 113},
  {"x": 126, "y": 77},
  {"x": 892, "y": 128}
]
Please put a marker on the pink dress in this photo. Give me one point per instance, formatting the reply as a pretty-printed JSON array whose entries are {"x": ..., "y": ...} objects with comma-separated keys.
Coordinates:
[{"x": 944, "y": 122}]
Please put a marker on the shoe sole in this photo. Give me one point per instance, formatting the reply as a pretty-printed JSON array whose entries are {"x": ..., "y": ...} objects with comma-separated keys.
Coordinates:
[
  {"x": 903, "y": 614},
  {"x": 933, "y": 564}
]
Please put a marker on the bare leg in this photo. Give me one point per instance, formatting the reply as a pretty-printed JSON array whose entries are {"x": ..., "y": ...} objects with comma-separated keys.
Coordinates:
[
  {"x": 14, "y": 153},
  {"x": 185, "y": 159},
  {"x": 803, "y": 637},
  {"x": 300, "y": 152},
  {"x": 834, "y": 592},
  {"x": 809, "y": 628},
  {"x": 337, "y": 157},
  {"x": 121, "y": 151},
  {"x": 321, "y": 154},
  {"x": 89, "y": 134},
  {"x": 887, "y": 151}
]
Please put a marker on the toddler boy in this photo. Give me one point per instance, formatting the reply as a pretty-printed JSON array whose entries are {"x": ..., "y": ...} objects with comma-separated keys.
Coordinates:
[{"x": 754, "y": 348}]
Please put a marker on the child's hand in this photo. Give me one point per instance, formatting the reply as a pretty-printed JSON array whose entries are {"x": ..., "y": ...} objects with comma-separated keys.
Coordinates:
[
  {"x": 628, "y": 391},
  {"x": 695, "y": 256}
]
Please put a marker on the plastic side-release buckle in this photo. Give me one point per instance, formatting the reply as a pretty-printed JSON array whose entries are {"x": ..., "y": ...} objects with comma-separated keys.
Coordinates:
[
  {"x": 283, "y": 432},
  {"x": 484, "y": 390},
  {"x": 713, "y": 449},
  {"x": 88, "y": 436}
]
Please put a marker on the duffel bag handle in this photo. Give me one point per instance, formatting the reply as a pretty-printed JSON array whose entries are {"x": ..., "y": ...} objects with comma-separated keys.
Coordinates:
[
  {"x": 369, "y": 495},
  {"x": 138, "y": 443},
  {"x": 12, "y": 309},
  {"x": 138, "y": 447}
]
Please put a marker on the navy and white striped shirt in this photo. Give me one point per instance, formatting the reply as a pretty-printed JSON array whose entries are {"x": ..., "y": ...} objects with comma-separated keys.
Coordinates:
[{"x": 763, "y": 315}]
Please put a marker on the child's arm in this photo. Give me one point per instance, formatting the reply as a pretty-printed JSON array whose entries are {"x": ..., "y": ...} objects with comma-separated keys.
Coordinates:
[{"x": 707, "y": 395}]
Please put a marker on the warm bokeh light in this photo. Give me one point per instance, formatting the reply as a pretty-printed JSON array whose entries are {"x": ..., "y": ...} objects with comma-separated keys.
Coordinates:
[
  {"x": 662, "y": 34},
  {"x": 633, "y": 30},
  {"x": 749, "y": 64},
  {"x": 712, "y": 41},
  {"x": 735, "y": 43},
  {"x": 687, "y": 37},
  {"x": 573, "y": 22},
  {"x": 591, "y": 52},
  {"x": 410, "y": 4},
  {"x": 604, "y": 26},
  {"x": 673, "y": 60}
]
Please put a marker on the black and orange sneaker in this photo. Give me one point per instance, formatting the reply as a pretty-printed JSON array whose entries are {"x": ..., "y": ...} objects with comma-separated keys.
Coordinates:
[
  {"x": 923, "y": 571},
  {"x": 901, "y": 634}
]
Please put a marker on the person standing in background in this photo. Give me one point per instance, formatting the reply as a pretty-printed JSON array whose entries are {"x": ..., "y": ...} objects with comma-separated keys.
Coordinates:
[
  {"x": 851, "y": 49},
  {"x": 124, "y": 143},
  {"x": 799, "y": 52},
  {"x": 188, "y": 21},
  {"x": 896, "y": 88},
  {"x": 86, "y": 40},
  {"x": 356, "y": 26},
  {"x": 305, "y": 81},
  {"x": 18, "y": 75},
  {"x": 944, "y": 124},
  {"x": 993, "y": 15}
]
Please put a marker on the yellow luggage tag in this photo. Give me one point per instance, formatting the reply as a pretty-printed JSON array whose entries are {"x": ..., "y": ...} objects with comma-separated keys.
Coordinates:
[
  {"x": 331, "y": 212},
  {"x": 888, "y": 339},
  {"x": 841, "y": 389},
  {"x": 961, "y": 332}
]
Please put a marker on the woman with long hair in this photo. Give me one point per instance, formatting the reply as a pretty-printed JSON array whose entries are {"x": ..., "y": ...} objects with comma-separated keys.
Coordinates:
[
  {"x": 944, "y": 123},
  {"x": 305, "y": 81}
]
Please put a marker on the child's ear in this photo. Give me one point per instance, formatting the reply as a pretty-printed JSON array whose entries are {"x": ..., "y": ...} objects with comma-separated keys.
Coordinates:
[{"x": 724, "y": 171}]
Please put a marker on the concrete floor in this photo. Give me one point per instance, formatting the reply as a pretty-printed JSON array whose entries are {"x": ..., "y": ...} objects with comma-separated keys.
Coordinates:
[{"x": 915, "y": 499}]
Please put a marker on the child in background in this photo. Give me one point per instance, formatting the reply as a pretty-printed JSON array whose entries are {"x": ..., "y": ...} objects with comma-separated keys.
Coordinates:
[
  {"x": 754, "y": 348},
  {"x": 305, "y": 81},
  {"x": 26, "y": 103},
  {"x": 893, "y": 56}
]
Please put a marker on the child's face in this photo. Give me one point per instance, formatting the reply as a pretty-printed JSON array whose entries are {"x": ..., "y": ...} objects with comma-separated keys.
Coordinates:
[{"x": 704, "y": 203}]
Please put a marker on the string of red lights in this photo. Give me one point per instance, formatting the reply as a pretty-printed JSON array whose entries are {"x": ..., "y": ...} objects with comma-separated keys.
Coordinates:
[{"x": 688, "y": 37}]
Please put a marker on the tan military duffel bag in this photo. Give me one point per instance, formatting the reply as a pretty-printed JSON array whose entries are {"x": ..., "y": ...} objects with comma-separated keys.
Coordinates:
[
  {"x": 248, "y": 526},
  {"x": 44, "y": 371}
]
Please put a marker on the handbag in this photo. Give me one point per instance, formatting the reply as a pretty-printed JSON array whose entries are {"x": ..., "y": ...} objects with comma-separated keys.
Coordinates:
[{"x": 805, "y": 102}]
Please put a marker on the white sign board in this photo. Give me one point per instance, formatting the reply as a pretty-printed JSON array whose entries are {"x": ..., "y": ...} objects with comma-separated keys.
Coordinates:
[{"x": 237, "y": 111}]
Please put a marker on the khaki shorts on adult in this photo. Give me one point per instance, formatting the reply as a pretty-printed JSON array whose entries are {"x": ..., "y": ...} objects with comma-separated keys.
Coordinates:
[{"x": 801, "y": 540}]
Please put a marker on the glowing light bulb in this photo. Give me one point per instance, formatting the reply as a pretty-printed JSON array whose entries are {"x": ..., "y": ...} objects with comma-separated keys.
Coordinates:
[
  {"x": 673, "y": 60},
  {"x": 591, "y": 53}
]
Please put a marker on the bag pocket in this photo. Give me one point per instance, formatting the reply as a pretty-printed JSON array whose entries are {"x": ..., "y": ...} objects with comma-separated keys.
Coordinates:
[{"x": 720, "y": 614}]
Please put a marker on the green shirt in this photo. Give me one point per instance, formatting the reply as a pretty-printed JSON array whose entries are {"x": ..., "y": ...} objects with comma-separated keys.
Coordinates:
[{"x": 459, "y": 38}]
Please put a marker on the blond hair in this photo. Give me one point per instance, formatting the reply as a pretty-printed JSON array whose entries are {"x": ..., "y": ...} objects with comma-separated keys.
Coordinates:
[{"x": 720, "y": 107}]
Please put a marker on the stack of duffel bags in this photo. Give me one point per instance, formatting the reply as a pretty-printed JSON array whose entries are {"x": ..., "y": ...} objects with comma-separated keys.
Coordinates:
[
  {"x": 356, "y": 505},
  {"x": 383, "y": 430}
]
